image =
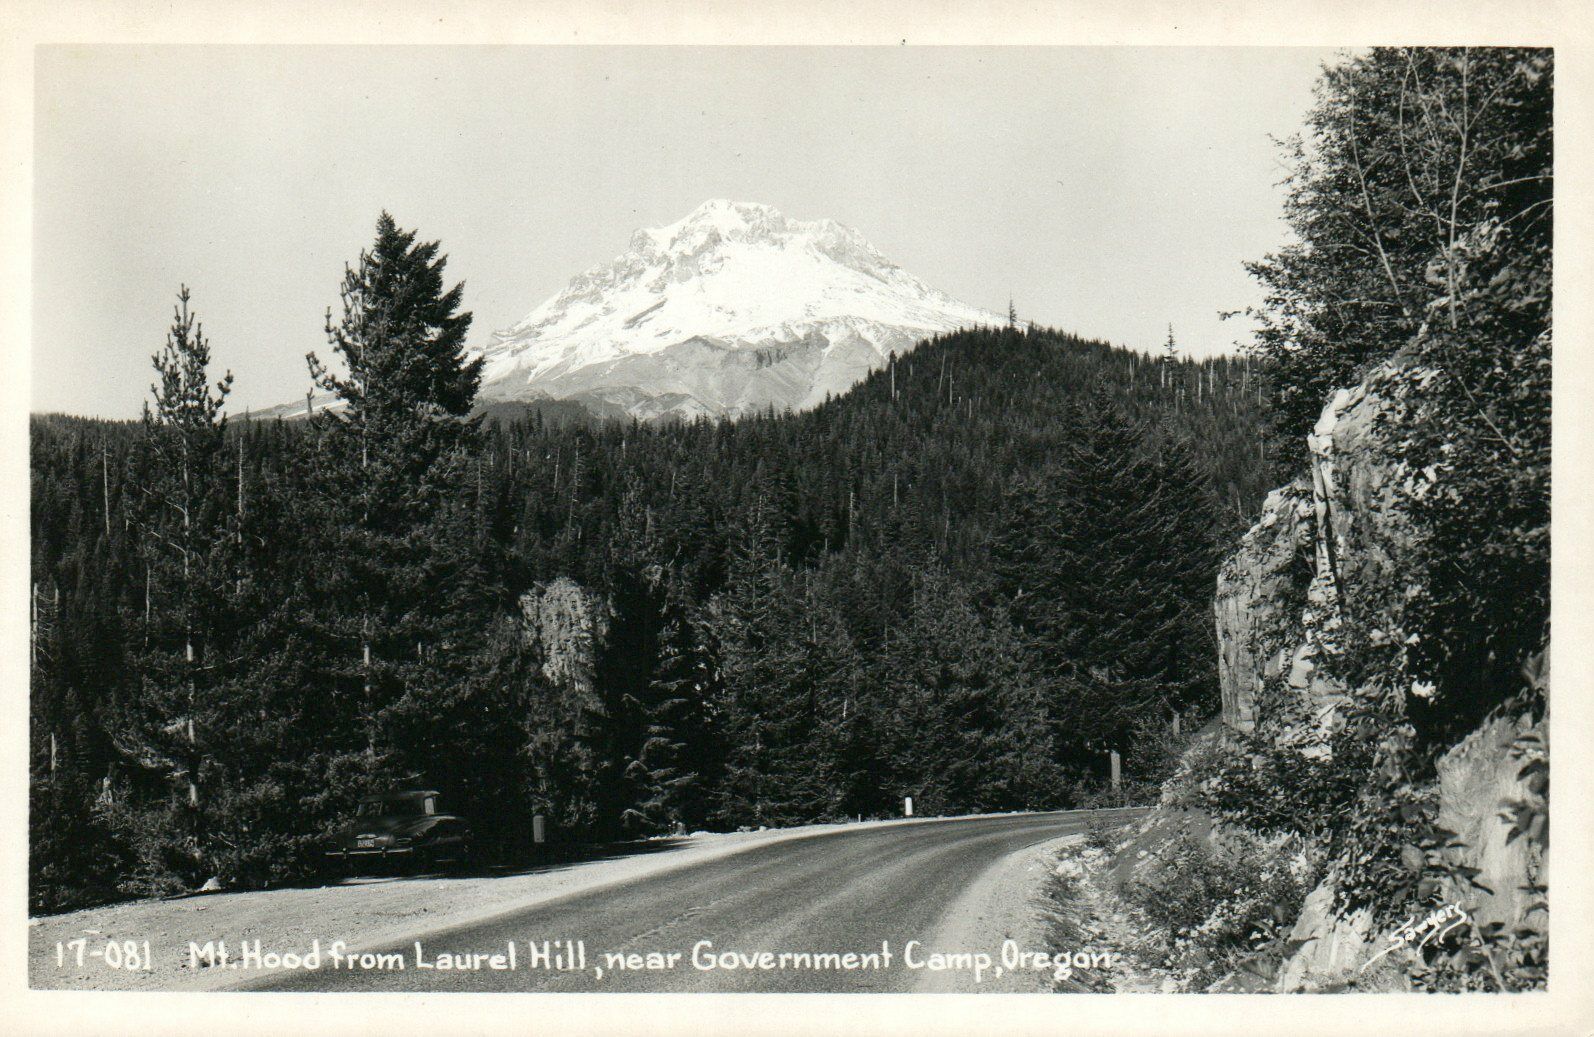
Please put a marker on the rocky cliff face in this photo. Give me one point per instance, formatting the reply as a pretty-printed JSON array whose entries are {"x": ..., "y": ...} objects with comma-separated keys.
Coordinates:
[
  {"x": 1479, "y": 781},
  {"x": 568, "y": 623},
  {"x": 1327, "y": 547},
  {"x": 1328, "y": 544},
  {"x": 1261, "y": 591}
]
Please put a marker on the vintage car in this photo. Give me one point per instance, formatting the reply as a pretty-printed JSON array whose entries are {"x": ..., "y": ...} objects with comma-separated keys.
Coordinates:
[{"x": 399, "y": 829}]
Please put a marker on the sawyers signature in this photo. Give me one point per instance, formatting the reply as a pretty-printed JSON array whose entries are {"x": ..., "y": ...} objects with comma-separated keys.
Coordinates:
[{"x": 1434, "y": 927}]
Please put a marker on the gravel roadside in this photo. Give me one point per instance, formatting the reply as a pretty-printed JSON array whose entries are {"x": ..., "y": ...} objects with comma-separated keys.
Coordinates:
[{"x": 1004, "y": 903}]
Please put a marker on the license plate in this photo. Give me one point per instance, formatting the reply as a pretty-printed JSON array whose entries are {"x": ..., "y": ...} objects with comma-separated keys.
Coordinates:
[{"x": 364, "y": 843}]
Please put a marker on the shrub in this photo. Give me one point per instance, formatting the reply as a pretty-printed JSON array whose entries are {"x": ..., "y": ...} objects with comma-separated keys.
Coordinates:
[
  {"x": 1208, "y": 903},
  {"x": 1102, "y": 834}
]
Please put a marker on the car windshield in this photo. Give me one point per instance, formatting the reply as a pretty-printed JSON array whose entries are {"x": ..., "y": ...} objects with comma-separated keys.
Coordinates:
[{"x": 406, "y": 806}]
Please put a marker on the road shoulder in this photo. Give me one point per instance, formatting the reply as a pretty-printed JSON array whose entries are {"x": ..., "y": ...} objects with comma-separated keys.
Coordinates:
[{"x": 1004, "y": 903}]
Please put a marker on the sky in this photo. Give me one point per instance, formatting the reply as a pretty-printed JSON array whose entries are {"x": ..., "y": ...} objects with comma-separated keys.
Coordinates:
[{"x": 1107, "y": 191}]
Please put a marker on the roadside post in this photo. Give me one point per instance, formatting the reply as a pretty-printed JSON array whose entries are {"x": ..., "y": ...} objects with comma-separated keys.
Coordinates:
[
  {"x": 539, "y": 829},
  {"x": 907, "y": 806}
]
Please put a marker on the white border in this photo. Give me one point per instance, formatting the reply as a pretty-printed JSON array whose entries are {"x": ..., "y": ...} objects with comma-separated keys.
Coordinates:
[{"x": 1567, "y": 1008}]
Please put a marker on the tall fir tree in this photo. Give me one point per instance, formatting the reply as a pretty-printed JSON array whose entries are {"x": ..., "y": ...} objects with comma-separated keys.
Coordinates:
[
  {"x": 677, "y": 751},
  {"x": 1106, "y": 565},
  {"x": 784, "y": 662},
  {"x": 966, "y": 727},
  {"x": 395, "y": 598}
]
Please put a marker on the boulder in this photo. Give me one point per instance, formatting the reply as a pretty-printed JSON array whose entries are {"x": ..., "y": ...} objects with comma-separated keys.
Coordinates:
[
  {"x": 1332, "y": 948},
  {"x": 1479, "y": 779}
]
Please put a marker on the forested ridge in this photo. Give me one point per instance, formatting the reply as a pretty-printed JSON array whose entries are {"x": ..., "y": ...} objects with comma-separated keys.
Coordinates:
[{"x": 965, "y": 580}]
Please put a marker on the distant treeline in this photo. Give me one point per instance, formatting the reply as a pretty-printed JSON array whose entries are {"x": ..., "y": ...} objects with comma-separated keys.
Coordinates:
[{"x": 965, "y": 580}]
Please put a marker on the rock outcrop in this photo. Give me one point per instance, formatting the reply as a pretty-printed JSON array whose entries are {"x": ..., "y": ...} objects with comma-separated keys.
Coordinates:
[
  {"x": 1327, "y": 545},
  {"x": 1332, "y": 947},
  {"x": 569, "y": 624},
  {"x": 1258, "y": 606},
  {"x": 1337, "y": 545}
]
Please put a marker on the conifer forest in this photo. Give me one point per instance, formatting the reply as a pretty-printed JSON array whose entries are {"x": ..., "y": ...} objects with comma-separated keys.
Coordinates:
[{"x": 967, "y": 581}]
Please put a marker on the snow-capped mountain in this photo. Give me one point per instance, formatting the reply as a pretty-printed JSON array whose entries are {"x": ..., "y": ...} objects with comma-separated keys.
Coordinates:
[{"x": 729, "y": 311}]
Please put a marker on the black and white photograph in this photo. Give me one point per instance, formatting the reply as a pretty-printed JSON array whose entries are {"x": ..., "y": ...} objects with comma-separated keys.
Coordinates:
[{"x": 562, "y": 516}]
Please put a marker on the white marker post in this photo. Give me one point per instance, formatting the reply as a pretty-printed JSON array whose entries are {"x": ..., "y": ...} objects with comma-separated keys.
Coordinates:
[
  {"x": 1115, "y": 770},
  {"x": 539, "y": 829},
  {"x": 907, "y": 806}
]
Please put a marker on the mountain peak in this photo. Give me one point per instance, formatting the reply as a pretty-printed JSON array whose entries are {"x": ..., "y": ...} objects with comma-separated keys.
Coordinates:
[
  {"x": 733, "y": 308},
  {"x": 719, "y": 220},
  {"x": 745, "y": 210}
]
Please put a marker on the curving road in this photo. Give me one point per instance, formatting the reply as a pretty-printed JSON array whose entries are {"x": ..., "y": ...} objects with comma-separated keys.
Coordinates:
[{"x": 864, "y": 891}]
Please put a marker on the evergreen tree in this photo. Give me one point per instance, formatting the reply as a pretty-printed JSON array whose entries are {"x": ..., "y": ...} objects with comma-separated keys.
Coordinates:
[
  {"x": 677, "y": 746},
  {"x": 966, "y": 728},
  {"x": 1106, "y": 565},
  {"x": 781, "y": 657},
  {"x": 165, "y": 728},
  {"x": 396, "y": 611},
  {"x": 72, "y": 858},
  {"x": 1406, "y": 150}
]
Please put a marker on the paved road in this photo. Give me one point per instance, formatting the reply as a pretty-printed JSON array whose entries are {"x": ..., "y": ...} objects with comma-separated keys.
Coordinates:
[{"x": 848, "y": 891}]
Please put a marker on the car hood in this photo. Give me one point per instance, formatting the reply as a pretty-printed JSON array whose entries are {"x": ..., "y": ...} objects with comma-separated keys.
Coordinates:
[{"x": 386, "y": 826}]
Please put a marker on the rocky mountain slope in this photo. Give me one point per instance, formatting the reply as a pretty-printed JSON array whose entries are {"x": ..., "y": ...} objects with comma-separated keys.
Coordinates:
[{"x": 731, "y": 310}]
